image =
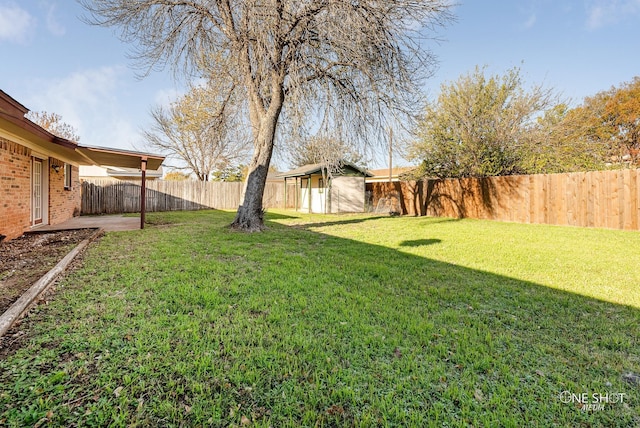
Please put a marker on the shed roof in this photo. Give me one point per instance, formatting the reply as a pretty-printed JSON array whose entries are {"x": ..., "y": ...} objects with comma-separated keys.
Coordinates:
[{"x": 317, "y": 168}]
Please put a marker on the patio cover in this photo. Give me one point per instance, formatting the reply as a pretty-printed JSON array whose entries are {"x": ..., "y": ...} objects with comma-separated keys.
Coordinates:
[{"x": 104, "y": 156}]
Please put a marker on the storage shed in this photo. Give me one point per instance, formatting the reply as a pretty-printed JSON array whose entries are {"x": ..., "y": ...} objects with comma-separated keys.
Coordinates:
[{"x": 316, "y": 191}]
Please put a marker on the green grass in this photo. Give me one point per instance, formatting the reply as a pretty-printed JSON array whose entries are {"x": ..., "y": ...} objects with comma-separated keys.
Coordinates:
[{"x": 335, "y": 321}]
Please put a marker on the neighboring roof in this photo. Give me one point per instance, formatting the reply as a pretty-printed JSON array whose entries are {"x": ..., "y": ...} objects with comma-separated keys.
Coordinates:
[
  {"x": 274, "y": 177},
  {"x": 14, "y": 122},
  {"x": 400, "y": 173},
  {"x": 384, "y": 172},
  {"x": 318, "y": 167},
  {"x": 120, "y": 172}
]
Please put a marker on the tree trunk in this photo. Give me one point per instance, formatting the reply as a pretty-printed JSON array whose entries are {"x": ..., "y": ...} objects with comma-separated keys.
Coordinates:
[{"x": 250, "y": 215}]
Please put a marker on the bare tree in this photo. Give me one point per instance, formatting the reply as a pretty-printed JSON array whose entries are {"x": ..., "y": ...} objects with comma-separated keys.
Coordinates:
[
  {"x": 203, "y": 129},
  {"x": 351, "y": 64},
  {"x": 53, "y": 123},
  {"x": 325, "y": 150}
]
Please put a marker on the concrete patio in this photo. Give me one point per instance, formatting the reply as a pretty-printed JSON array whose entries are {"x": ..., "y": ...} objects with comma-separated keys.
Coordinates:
[{"x": 110, "y": 223}]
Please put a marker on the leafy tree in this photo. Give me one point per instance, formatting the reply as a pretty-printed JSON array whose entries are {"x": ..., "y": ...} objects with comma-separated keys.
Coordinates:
[
  {"x": 479, "y": 126},
  {"x": 53, "y": 123},
  {"x": 623, "y": 114},
  {"x": 203, "y": 129},
  {"x": 554, "y": 145},
  {"x": 353, "y": 64},
  {"x": 611, "y": 119},
  {"x": 176, "y": 176},
  {"x": 235, "y": 173}
]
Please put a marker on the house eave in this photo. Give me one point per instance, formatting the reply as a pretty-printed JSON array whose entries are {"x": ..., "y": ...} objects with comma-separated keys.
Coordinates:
[
  {"x": 14, "y": 126},
  {"x": 38, "y": 142}
]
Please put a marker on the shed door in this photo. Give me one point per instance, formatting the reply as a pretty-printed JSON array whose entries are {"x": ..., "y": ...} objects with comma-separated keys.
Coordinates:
[{"x": 36, "y": 191}]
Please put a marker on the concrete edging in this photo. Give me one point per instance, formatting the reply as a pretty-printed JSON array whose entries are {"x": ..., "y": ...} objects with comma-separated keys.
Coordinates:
[{"x": 20, "y": 306}]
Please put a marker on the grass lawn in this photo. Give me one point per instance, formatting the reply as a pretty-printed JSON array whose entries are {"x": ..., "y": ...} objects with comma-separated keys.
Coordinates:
[{"x": 336, "y": 321}]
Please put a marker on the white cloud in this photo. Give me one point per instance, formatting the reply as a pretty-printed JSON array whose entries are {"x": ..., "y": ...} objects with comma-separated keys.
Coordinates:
[
  {"x": 86, "y": 100},
  {"x": 16, "y": 24},
  {"x": 54, "y": 26},
  {"x": 531, "y": 21},
  {"x": 601, "y": 13},
  {"x": 165, "y": 97}
]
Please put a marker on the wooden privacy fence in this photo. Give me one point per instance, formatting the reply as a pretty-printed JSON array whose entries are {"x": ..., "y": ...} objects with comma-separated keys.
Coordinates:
[
  {"x": 107, "y": 196},
  {"x": 607, "y": 199}
]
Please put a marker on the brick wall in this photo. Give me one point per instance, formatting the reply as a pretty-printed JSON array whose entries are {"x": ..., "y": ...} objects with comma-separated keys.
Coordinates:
[
  {"x": 63, "y": 203},
  {"x": 15, "y": 188}
]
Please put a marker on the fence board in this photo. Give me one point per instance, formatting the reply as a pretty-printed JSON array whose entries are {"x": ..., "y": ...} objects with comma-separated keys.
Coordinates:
[
  {"x": 609, "y": 199},
  {"x": 636, "y": 197},
  {"x": 633, "y": 198}
]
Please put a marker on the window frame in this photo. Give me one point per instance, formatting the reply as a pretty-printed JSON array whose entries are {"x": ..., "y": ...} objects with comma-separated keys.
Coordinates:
[{"x": 68, "y": 182}]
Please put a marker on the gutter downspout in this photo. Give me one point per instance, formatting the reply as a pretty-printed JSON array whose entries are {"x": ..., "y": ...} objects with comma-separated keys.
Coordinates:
[
  {"x": 297, "y": 194},
  {"x": 285, "y": 194},
  {"x": 309, "y": 192},
  {"x": 326, "y": 192},
  {"x": 143, "y": 190}
]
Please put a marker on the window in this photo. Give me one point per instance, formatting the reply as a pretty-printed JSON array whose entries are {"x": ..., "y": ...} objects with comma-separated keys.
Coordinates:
[{"x": 67, "y": 176}]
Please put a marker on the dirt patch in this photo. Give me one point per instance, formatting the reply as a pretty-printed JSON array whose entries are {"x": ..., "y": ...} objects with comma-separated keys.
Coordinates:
[{"x": 26, "y": 259}]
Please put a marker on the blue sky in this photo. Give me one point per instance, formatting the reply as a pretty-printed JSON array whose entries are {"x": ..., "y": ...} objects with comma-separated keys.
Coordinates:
[{"x": 53, "y": 61}]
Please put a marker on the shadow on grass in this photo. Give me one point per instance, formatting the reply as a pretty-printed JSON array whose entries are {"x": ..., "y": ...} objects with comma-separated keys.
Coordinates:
[
  {"x": 419, "y": 242},
  {"x": 307, "y": 225},
  {"x": 291, "y": 327},
  {"x": 270, "y": 215}
]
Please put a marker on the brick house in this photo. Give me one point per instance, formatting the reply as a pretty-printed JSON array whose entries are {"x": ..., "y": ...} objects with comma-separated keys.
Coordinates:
[{"x": 39, "y": 180}]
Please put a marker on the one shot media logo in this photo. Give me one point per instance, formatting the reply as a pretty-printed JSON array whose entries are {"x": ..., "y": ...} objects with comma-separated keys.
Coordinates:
[{"x": 590, "y": 402}]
